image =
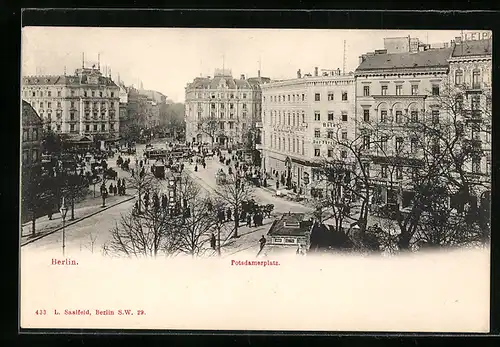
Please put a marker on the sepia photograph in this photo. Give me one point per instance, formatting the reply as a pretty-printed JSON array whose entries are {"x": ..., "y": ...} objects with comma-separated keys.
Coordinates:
[{"x": 255, "y": 179}]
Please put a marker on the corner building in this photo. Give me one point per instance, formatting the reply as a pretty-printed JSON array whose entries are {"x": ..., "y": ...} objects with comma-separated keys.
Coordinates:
[
  {"x": 394, "y": 91},
  {"x": 471, "y": 77},
  {"x": 86, "y": 103},
  {"x": 301, "y": 119},
  {"x": 231, "y": 105}
]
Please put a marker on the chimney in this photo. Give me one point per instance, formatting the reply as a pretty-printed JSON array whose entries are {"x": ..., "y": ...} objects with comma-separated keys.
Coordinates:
[
  {"x": 242, "y": 76},
  {"x": 299, "y": 75},
  {"x": 316, "y": 71},
  {"x": 258, "y": 73},
  {"x": 338, "y": 71}
]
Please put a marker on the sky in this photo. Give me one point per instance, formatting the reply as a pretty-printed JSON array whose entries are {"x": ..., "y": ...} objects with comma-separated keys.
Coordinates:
[{"x": 166, "y": 59}]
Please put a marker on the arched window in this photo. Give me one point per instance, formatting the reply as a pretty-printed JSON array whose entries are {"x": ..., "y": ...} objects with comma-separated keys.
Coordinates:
[
  {"x": 383, "y": 113},
  {"x": 459, "y": 77}
]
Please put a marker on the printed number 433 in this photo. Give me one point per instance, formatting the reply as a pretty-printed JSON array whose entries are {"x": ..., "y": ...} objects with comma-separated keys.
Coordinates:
[{"x": 40, "y": 312}]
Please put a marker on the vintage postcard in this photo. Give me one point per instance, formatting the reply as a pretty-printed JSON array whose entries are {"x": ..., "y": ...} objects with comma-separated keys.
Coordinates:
[{"x": 251, "y": 179}]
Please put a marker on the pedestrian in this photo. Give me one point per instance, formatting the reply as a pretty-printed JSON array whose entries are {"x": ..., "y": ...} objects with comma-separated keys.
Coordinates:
[
  {"x": 249, "y": 220},
  {"x": 277, "y": 185},
  {"x": 262, "y": 242},
  {"x": 111, "y": 188},
  {"x": 204, "y": 164},
  {"x": 212, "y": 241},
  {"x": 255, "y": 219},
  {"x": 196, "y": 168},
  {"x": 228, "y": 213}
]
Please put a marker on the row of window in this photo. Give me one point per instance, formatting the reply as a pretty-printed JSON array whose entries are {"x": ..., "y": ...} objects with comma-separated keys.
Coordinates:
[
  {"x": 41, "y": 93},
  {"x": 30, "y": 136},
  {"x": 294, "y": 144},
  {"x": 330, "y": 134},
  {"x": 399, "y": 118},
  {"x": 476, "y": 78},
  {"x": 221, "y": 125},
  {"x": 329, "y": 153},
  {"x": 72, "y": 104},
  {"x": 331, "y": 96},
  {"x": 384, "y": 90},
  {"x": 34, "y": 156},
  {"x": 231, "y": 106},
  {"x": 302, "y": 97},
  {"x": 221, "y": 95}
]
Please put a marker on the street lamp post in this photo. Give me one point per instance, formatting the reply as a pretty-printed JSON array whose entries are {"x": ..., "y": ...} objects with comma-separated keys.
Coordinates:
[{"x": 63, "y": 210}]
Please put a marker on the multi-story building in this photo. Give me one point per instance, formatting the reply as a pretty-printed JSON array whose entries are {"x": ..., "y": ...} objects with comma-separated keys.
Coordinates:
[
  {"x": 221, "y": 109},
  {"x": 32, "y": 134},
  {"x": 470, "y": 78},
  {"x": 394, "y": 91},
  {"x": 122, "y": 112},
  {"x": 86, "y": 103},
  {"x": 302, "y": 119}
]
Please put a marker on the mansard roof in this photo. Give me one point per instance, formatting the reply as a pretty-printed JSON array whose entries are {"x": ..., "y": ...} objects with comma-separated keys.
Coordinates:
[
  {"x": 473, "y": 48},
  {"x": 418, "y": 60}
]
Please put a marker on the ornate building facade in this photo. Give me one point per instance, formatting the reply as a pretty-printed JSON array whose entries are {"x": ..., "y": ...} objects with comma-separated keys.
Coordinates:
[
  {"x": 470, "y": 78},
  {"x": 394, "y": 92},
  {"x": 222, "y": 109},
  {"x": 86, "y": 103},
  {"x": 301, "y": 119}
]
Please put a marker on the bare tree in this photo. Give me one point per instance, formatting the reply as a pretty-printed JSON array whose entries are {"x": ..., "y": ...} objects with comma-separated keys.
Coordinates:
[
  {"x": 233, "y": 193},
  {"x": 209, "y": 126},
  {"x": 142, "y": 183},
  {"x": 144, "y": 235}
]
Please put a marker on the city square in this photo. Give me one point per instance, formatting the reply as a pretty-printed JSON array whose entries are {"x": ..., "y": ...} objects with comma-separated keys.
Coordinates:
[{"x": 387, "y": 154}]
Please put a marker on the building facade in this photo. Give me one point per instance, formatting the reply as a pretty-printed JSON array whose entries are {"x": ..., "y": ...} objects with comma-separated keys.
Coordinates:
[
  {"x": 222, "y": 109},
  {"x": 302, "y": 120},
  {"x": 86, "y": 103},
  {"x": 470, "y": 79},
  {"x": 32, "y": 127},
  {"x": 393, "y": 93}
]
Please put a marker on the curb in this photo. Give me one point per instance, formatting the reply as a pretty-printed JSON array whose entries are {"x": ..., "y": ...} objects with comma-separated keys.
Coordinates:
[{"x": 76, "y": 221}]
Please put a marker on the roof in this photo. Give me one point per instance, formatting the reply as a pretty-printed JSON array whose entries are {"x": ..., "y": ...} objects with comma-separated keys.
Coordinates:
[
  {"x": 473, "y": 48},
  {"x": 285, "y": 225},
  {"x": 218, "y": 82},
  {"x": 75, "y": 80},
  {"x": 29, "y": 115},
  {"x": 429, "y": 58}
]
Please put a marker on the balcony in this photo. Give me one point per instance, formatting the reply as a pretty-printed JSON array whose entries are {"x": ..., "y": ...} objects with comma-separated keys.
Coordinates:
[
  {"x": 258, "y": 125},
  {"x": 474, "y": 88}
]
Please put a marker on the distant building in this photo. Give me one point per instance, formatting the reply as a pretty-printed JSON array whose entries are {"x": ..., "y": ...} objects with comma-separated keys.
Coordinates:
[
  {"x": 405, "y": 44},
  {"x": 86, "y": 103},
  {"x": 222, "y": 109},
  {"x": 301, "y": 118},
  {"x": 32, "y": 134}
]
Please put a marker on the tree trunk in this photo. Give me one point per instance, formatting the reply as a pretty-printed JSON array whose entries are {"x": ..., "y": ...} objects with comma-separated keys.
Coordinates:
[
  {"x": 404, "y": 240},
  {"x": 236, "y": 223},
  {"x": 33, "y": 222},
  {"x": 218, "y": 240},
  {"x": 72, "y": 206}
]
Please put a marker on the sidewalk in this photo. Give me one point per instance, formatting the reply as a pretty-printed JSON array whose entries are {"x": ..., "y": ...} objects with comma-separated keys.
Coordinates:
[{"x": 43, "y": 225}]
